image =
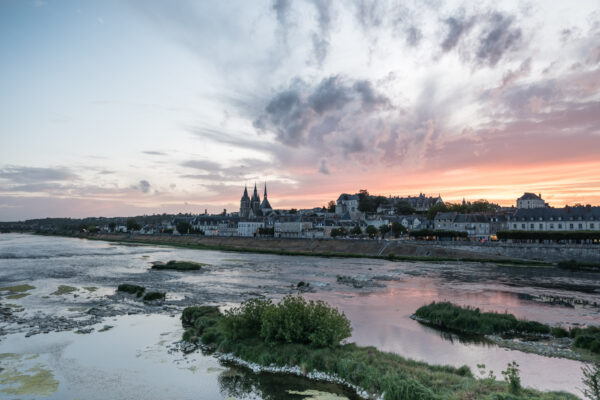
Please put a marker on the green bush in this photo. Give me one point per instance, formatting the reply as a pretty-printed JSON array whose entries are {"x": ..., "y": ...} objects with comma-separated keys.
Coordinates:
[
  {"x": 131, "y": 289},
  {"x": 150, "y": 296},
  {"x": 559, "y": 332},
  {"x": 180, "y": 266},
  {"x": 292, "y": 320},
  {"x": 587, "y": 338},
  {"x": 191, "y": 314},
  {"x": 472, "y": 321}
]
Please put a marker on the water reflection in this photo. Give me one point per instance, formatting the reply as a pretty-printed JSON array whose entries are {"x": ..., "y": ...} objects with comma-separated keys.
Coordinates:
[{"x": 242, "y": 384}]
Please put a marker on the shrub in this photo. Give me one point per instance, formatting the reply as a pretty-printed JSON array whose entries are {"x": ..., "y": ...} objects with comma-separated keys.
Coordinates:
[
  {"x": 131, "y": 289},
  {"x": 293, "y": 320},
  {"x": 150, "y": 296},
  {"x": 591, "y": 380},
  {"x": 179, "y": 265},
  {"x": 472, "y": 321},
  {"x": 559, "y": 332},
  {"x": 190, "y": 314},
  {"x": 511, "y": 375},
  {"x": 587, "y": 338}
]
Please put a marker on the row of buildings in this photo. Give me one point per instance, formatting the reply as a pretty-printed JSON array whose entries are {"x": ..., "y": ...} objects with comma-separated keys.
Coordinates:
[{"x": 257, "y": 217}]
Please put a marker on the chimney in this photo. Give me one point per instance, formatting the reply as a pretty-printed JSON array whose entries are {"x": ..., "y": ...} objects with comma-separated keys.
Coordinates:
[
  {"x": 540, "y": 195},
  {"x": 567, "y": 209},
  {"x": 588, "y": 208}
]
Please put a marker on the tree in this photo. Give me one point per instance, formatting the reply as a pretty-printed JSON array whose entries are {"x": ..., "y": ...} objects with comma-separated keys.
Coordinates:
[
  {"x": 132, "y": 225},
  {"x": 356, "y": 230},
  {"x": 335, "y": 232},
  {"x": 436, "y": 208},
  {"x": 371, "y": 231},
  {"x": 591, "y": 380},
  {"x": 384, "y": 229},
  {"x": 112, "y": 226},
  {"x": 331, "y": 206},
  {"x": 403, "y": 207},
  {"x": 183, "y": 227},
  {"x": 397, "y": 229}
]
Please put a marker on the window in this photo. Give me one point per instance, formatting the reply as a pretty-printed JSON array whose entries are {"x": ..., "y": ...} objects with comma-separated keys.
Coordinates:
[
  {"x": 551, "y": 226},
  {"x": 541, "y": 226},
  {"x": 531, "y": 226},
  {"x": 515, "y": 226},
  {"x": 523, "y": 226},
  {"x": 580, "y": 226},
  {"x": 591, "y": 226},
  {"x": 559, "y": 226},
  {"x": 570, "y": 226}
]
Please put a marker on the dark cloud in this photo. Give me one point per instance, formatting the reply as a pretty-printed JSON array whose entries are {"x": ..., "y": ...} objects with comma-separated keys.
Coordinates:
[
  {"x": 500, "y": 36},
  {"x": 323, "y": 169},
  {"x": 329, "y": 94},
  {"x": 282, "y": 9},
  {"x": 413, "y": 36},
  {"x": 457, "y": 27},
  {"x": 356, "y": 145},
  {"x": 204, "y": 165},
  {"x": 144, "y": 186},
  {"x": 320, "y": 39},
  {"x": 18, "y": 174},
  {"x": 302, "y": 115},
  {"x": 370, "y": 14},
  {"x": 155, "y": 153}
]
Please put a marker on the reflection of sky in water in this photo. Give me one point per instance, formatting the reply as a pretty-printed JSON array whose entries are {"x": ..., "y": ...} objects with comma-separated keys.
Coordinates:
[
  {"x": 379, "y": 316},
  {"x": 131, "y": 361}
]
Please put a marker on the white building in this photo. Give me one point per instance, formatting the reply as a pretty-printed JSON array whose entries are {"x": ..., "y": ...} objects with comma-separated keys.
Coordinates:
[
  {"x": 249, "y": 228},
  {"x": 347, "y": 203},
  {"x": 555, "y": 219},
  {"x": 531, "y": 200},
  {"x": 292, "y": 229}
]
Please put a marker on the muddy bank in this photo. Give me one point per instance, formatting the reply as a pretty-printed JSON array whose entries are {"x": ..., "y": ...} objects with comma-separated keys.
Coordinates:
[{"x": 325, "y": 247}]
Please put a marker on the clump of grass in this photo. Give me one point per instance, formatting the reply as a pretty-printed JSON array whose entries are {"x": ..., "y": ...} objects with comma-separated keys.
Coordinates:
[
  {"x": 17, "y": 288},
  {"x": 64, "y": 289},
  {"x": 472, "y": 321},
  {"x": 151, "y": 296},
  {"x": 179, "y": 265},
  {"x": 284, "y": 341},
  {"x": 131, "y": 289}
]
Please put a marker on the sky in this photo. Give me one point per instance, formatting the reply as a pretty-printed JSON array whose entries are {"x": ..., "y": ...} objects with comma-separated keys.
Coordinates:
[{"x": 118, "y": 108}]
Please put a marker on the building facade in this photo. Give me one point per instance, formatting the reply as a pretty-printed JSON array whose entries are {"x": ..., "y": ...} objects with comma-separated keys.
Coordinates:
[{"x": 531, "y": 200}]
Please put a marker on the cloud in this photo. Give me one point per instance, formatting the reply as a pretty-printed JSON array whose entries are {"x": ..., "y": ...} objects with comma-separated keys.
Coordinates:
[
  {"x": 457, "y": 27},
  {"x": 320, "y": 39},
  {"x": 323, "y": 168},
  {"x": 155, "y": 153},
  {"x": 18, "y": 174},
  {"x": 413, "y": 36},
  {"x": 500, "y": 36},
  {"x": 204, "y": 165},
  {"x": 144, "y": 186},
  {"x": 303, "y": 114}
]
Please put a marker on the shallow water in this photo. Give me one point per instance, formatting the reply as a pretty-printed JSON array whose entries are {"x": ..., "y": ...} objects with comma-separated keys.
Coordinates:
[{"x": 379, "y": 316}]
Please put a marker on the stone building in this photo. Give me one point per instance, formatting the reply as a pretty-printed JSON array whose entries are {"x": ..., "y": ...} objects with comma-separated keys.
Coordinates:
[
  {"x": 581, "y": 218},
  {"x": 531, "y": 200},
  {"x": 252, "y": 207}
]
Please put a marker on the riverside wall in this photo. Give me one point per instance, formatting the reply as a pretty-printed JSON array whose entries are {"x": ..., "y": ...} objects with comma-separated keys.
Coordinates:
[{"x": 489, "y": 250}]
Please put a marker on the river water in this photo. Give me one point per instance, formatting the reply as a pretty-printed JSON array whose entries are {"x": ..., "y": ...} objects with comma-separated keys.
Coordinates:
[{"x": 135, "y": 357}]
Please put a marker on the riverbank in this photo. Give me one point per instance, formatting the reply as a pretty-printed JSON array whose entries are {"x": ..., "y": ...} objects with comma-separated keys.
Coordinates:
[
  {"x": 387, "y": 250},
  {"x": 285, "y": 338}
]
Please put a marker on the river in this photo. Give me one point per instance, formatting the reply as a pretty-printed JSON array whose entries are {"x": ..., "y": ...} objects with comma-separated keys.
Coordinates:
[{"x": 130, "y": 352}]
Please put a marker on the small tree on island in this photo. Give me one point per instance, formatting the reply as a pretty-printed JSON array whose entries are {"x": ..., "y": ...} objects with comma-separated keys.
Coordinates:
[
  {"x": 183, "y": 227},
  {"x": 356, "y": 230}
]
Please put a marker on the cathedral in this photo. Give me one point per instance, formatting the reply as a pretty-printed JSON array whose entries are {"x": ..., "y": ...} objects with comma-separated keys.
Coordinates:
[{"x": 253, "y": 207}]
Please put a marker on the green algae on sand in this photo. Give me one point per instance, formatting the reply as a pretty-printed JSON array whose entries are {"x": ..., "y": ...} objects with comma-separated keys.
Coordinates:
[{"x": 20, "y": 378}]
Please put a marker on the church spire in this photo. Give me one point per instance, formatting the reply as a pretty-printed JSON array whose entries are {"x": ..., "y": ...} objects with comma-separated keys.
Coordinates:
[
  {"x": 265, "y": 189},
  {"x": 255, "y": 192}
]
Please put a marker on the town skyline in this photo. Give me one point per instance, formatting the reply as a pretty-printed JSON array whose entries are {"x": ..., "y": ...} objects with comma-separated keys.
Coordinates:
[{"x": 125, "y": 108}]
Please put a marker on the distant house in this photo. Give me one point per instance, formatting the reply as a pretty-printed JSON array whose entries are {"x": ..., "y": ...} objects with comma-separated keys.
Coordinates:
[
  {"x": 347, "y": 203},
  {"x": 531, "y": 200},
  {"x": 293, "y": 229},
  {"x": 249, "y": 228},
  {"x": 582, "y": 218},
  {"x": 420, "y": 202}
]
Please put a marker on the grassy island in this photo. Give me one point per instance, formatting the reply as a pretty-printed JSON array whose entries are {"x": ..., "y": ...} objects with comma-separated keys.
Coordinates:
[
  {"x": 179, "y": 265},
  {"x": 311, "y": 335},
  {"x": 131, "y": 289},
  {"x": 472, "y": 321}
]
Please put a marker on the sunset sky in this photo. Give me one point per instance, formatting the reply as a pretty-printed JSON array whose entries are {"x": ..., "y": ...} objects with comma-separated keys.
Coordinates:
[{"x": 138, "y": 107}]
